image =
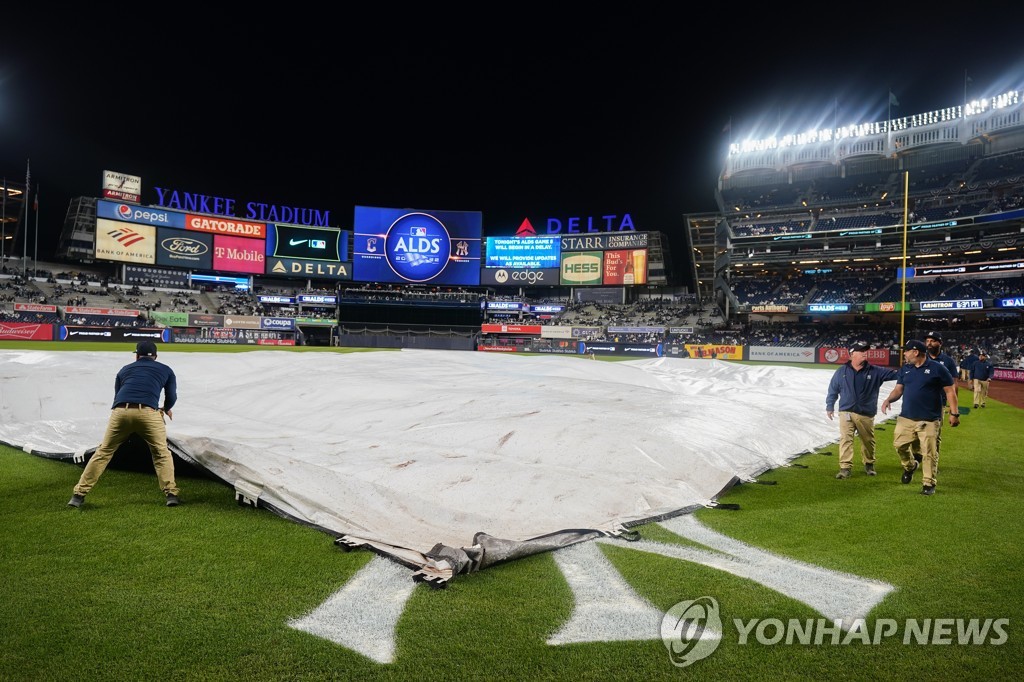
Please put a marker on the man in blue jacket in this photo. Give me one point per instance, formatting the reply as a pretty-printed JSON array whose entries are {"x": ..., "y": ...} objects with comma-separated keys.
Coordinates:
[
  {"x": 981, "y": 377},
  {"x": 856, "y": 384},
  {"x": 921, "y": 382},
  {"x": 137, "y": 410}
]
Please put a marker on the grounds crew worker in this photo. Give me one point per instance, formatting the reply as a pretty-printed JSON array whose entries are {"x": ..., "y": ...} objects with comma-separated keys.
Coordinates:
[{"x": 137, "y": 410}]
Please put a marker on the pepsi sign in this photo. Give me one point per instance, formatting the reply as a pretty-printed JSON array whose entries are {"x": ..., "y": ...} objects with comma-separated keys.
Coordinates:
[{"x": 143, "y": 215}]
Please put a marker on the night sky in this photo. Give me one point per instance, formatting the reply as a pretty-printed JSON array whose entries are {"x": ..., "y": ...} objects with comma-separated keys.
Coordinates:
[{"x": 522, "y": 116}]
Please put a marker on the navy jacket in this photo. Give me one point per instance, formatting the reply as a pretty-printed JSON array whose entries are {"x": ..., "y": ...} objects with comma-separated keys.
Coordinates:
[
  {"x": 982, "y": 370},
  {"x": 857, "y": 390},
  {"x": 142, "y": 382}
]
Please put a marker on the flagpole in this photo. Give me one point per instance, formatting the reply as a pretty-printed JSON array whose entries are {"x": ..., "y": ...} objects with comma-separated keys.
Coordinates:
[
  {"x": 24, "y": 225},
  {"x": 35, "y": 250},
  {"x": 3, "y": 227}
]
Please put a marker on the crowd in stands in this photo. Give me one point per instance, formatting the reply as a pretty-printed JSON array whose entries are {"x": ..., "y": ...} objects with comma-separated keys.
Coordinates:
[
  {"x": 804, "y": 289},
  {"x": 669, "y": 319}
]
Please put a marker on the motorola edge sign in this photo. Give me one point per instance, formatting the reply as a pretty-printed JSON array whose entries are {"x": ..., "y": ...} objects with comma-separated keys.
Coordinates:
[{"x": 517, "y": 277}]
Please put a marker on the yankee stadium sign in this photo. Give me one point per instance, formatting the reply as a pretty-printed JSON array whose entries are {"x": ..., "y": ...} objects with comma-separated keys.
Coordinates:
[{"x": 205, "y": 203}]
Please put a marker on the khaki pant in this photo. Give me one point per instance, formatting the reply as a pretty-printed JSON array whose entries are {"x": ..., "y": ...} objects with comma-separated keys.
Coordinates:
[
  {"x": 851, "y": 423},
  {"x": 912, "y": 436},
  {"x": 123, "y": 422},
  {"x": 980, "y": 391}
]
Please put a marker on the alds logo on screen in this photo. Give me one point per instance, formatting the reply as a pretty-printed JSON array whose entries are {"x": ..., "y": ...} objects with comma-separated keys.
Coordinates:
[{"x": 417, "y": 247}]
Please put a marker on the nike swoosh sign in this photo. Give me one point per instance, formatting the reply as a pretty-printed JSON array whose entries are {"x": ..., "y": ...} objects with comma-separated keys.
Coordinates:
[{"x": 295, "y": 242}]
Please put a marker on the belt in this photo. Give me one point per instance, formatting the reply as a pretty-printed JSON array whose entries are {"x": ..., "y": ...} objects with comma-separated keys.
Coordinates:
[{"x": 133, "y": 406}]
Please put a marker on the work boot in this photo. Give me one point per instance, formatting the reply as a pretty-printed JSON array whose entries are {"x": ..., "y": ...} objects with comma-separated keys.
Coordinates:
[
  {"x": 843, "y": 474},
  {"x": 172, "y": 500},
  {"x": 76, "y": 500},
  {"x": 869, "y": 468}
]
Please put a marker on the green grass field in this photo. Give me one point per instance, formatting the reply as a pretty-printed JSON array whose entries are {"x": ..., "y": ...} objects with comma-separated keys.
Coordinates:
[{"x": 127, "y": 589}]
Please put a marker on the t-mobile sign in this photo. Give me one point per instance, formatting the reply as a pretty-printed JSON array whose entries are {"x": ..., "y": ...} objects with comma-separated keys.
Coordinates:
[{"x": 238, "y": 254}]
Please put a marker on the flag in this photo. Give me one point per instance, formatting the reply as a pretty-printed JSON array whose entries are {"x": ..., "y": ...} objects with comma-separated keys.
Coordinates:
[
  {"x": 28, "y": 177},
  {"x": 893, "y": 102},
  {"x": 35, "y": 202}
]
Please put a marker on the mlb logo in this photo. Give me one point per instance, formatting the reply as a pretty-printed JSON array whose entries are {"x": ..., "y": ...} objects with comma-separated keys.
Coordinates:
[{"x": 418, "y": 231}]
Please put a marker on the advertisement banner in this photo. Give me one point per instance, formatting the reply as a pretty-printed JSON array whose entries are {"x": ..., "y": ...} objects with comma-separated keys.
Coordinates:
[
  {"x": 632, "y": 349},
  {"x": 1009, "y": 374},
  {"x": 498, "y": 349},
  {"x": 96, "y": 333},
  {"x": 242, "y": 321},
  {"x": 606, "y": 241},
  {"x": 279, "y": 323},
  {"x": 238, "y": 254},
  {"x": 837, "y": 356},
  {"x": 229, "y": 227},
  {"x": 142, "y": 215},
  {"x": 169, "y": 319},
  {"x": 1010, "y": 302},
  {"x": 311, "y": 269},
  {"x": 512, "y": 277},
  {"x": 307, "y": 243},
  {"x": 828, "y": 307},
  {"x": 109, "y": 312},
  {"x": 204, "y": 320},
  {"x": 555, "y": 331},
  {"x": 124, "y": 242},
  {"x": 781, "y": 354},
  {"x": 582, "y": 268},
  {"x": 318, "y": 300},
  {"x": 511, "y": 328},
  {"x": 714, "y": 351},
  {"x": 769, "y": 308},
  {"x": 121, "y": 186},
  {"x": 181, "y": 249},
  {"x": 25, "y": 331},
  {"x": 34, "y": 308},
  {"x": 144, "y": 275},
  {"x": 886, "y": 307}
]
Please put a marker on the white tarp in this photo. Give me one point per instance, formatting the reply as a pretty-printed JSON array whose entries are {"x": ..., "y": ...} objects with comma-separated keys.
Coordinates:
[{"x": 414, "y": 448}]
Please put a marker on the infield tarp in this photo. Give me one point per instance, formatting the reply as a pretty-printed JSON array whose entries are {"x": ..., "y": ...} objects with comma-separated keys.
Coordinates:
[{"x": 427, "y": 454}]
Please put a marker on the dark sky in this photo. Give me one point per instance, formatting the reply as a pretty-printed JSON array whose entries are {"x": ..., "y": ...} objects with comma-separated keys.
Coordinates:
[{"x": 522, "y": 116}]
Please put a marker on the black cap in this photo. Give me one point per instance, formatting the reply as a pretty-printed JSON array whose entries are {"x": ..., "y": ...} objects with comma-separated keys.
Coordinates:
[
  {"x": 145, "y": 348},
  {"x": 914, "y": 344},
  {"x": 859, "y": 346},
  {"x": 934, "y": 335}
]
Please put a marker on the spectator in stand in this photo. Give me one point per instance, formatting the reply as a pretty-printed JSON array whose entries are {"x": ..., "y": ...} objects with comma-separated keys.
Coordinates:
[
  {"x": 981, "y": 376},
  {"x": 856, "y": 383},
  {"x": 921, "y": 382}
]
